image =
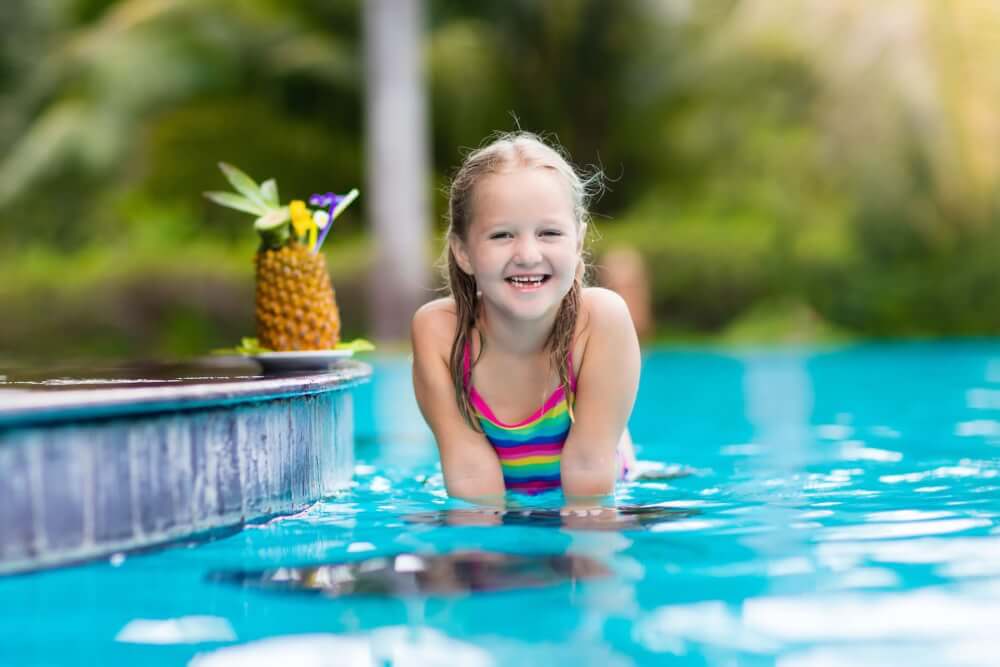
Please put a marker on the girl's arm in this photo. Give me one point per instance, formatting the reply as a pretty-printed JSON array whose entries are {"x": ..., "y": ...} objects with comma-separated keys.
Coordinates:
[
  {"x": 471, "y": 467},
  {"x": 606, "y": 390}
]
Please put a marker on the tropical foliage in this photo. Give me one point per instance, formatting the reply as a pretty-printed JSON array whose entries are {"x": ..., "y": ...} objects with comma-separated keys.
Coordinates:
[{"x": 838, "y": 159}]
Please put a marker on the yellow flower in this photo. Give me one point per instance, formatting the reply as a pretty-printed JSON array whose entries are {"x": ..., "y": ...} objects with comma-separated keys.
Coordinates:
[
  {"x": 311, "y": 240},
  {"x": 302, "y": 221}
]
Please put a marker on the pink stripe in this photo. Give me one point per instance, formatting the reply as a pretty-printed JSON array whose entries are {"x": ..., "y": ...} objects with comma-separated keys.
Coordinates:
[
  {"x": 540, "y": 485},
  {"x": 520, "y": 453},
  {"x": 480, "y": 405}
]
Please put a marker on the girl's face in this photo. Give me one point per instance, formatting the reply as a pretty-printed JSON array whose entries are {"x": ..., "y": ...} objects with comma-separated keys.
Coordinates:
[{"x": 523, "y": 244}]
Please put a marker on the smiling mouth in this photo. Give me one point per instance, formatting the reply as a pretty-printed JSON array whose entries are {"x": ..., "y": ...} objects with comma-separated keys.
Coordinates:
[{"x": 528, "y": 281}]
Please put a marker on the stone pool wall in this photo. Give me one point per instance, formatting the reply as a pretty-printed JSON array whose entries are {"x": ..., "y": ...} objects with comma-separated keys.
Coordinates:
[{"x": 76, "y": 490}]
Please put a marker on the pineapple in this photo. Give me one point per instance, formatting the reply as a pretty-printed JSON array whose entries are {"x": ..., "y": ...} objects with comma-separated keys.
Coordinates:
[{"x": 296, "y": 308}]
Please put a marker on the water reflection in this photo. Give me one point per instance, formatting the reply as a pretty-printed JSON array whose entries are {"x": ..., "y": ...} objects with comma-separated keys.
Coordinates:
[
  {"x": 604, "y": 519},
  {"x": 779, "y": 404},
  {"x": 948, "y": 627},
  {"x": 393, "y": 645},
  {"x": 409, "y": 574},
  {"x": 184, "y": 630}
]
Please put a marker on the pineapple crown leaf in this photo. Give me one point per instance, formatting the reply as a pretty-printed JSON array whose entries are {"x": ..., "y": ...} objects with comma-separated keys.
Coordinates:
[
  {"x": 262, "y": 201},
  {"x": 272, "y": 218},
  {"x": 269, "y": 191},
  {"x": 235, "y": 201},
  {"x": 245, "y": 185}
]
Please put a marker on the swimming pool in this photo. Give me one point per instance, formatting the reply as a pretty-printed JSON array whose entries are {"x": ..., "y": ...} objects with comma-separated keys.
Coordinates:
[{"x": 827, "y": 507}]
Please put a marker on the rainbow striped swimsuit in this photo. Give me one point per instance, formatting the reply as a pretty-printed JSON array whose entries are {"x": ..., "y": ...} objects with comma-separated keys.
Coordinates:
[{"x": 529, "y": 450}]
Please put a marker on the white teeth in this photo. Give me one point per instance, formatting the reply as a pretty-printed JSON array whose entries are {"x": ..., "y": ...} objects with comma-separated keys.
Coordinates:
[{"x": 523, "y": 280}]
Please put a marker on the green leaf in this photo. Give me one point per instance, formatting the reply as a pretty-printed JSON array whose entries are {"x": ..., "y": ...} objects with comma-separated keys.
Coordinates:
[
  {"x": 230, "y": 200},
  {"x": 272, "y": 219},
  {"x": 251, "y": 346},
  {"x": 247, "y": 346},
  {"x": 245, "y": 185},
  {"x": 269, "y": 191},
  {"x": 358, "y": 345}
]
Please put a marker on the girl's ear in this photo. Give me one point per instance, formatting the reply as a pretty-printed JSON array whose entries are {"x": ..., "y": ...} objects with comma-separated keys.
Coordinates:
[
  {"x": 461, "y": 256},
  {"x": 581, "y": 237}
]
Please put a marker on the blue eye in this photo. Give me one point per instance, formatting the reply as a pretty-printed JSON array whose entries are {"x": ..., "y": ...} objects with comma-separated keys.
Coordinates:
[
  {"x": 500, "y": 235},
  {"x": 552, "y": 232}
]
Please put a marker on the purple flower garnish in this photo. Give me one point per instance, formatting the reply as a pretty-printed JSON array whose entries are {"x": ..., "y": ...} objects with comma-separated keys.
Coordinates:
[{"x": 329, "y": 200}]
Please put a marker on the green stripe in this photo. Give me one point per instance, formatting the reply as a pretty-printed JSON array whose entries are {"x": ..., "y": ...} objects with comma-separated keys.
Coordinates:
[
  {"x": 527, "y": 435},
  {"x": 521, "y": 472}
]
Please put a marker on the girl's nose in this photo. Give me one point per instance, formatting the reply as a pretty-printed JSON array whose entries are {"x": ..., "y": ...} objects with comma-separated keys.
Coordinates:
[{"x": 527, "y": 252}]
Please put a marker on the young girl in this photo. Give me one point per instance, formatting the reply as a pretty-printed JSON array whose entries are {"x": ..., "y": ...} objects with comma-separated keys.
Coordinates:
[{"x": 526, "y": 377}]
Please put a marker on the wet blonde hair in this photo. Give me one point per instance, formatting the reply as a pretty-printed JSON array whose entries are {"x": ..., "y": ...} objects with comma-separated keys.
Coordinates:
[{"x": 507, "y": 151}]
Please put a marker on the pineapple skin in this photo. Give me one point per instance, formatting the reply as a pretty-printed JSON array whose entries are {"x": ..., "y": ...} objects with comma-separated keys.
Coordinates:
[{"x": 296, "y": 308}]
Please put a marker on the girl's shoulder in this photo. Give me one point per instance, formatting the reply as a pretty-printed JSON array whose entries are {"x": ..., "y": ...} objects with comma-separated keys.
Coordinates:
[
  {"x": 436, "y": 309},
  {"x": 602, "y": 312},
  {"x": 601, "y": 308},
  {"x": 435, "y": 322}
]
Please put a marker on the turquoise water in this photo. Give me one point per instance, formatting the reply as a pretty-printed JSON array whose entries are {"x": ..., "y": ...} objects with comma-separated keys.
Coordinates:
[{"x": 837, "y": 507}]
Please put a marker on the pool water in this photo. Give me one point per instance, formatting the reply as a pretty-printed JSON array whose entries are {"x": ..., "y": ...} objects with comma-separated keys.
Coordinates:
[{"x": 832, "y": 507}]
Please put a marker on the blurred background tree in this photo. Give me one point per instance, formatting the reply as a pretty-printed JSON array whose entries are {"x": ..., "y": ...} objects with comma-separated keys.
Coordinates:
[{"x": 800, "y": 170}]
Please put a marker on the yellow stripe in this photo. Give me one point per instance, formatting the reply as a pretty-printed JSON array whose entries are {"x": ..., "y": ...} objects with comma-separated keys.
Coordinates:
[
  {"x": 531, "y": 460},
  {"x": 555, "y": 411}
]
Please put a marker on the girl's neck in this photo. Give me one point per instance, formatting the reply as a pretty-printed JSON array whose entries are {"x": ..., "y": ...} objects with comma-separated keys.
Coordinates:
[{"x": 514, "y": 336}]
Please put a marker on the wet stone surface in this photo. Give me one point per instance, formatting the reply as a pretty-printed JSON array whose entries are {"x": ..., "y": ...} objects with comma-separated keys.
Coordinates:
[
  {"x": 48, "y": 395},
  {"x": 209, "y": 370},
  {"x": 407, "y": 574}
]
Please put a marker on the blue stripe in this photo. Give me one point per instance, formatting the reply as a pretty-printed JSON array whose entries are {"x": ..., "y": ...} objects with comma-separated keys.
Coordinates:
[
  {"x": 531, "y": 478},
  {"x": 558, "y": 438}
]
